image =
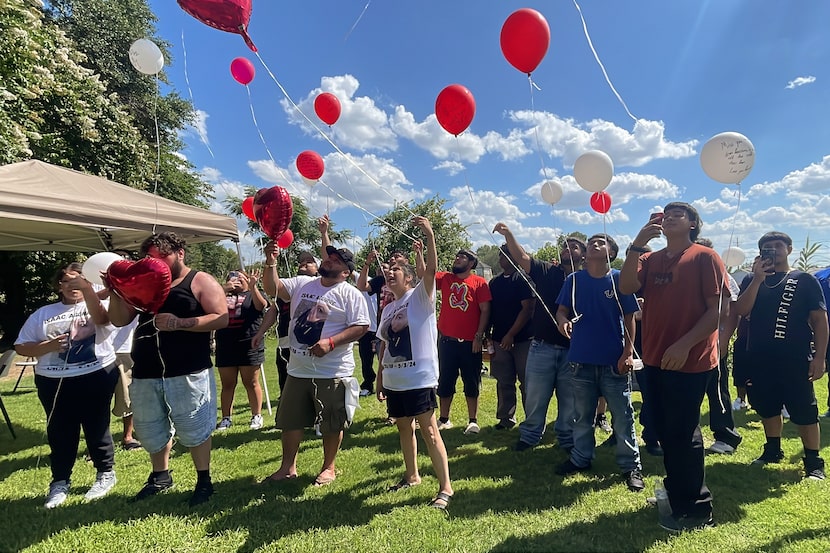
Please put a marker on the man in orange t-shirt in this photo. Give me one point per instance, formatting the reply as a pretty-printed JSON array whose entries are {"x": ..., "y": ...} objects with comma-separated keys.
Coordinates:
[
  {"x": 684, "y": 285},
  {"x": 465, "y": 312}
]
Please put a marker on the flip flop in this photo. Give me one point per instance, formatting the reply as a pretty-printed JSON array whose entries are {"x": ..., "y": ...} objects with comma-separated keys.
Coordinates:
[
  {"x": 132, "y": 444},
  {"x": 441, "y": 501},
  {"x": 323, "y": 482},
  {"x": 270, "y": 479}
]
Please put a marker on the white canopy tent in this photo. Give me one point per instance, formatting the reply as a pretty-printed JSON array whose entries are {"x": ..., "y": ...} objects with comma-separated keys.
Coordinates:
[{"x": 51, "y": 208}]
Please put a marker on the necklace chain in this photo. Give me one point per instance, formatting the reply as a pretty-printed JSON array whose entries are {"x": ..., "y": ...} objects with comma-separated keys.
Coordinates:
[{"x": 779, "y": 282}]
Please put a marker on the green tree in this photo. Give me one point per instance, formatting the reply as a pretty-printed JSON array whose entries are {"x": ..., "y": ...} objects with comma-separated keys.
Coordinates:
[
  {"x": 450, "y": 233},
  {"x": 489, "y": 255},
  {"x": 808, "y": 256}
]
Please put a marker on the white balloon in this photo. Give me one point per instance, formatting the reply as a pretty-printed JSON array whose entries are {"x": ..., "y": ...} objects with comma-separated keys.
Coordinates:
[
  {"x": 733, "y": 256},
  {"x": 146, "y": 56},
  {"x": 551, "y": 192},
  {"x": 593, "y": 171},
  {"x": 309, "y": 182},
  {"x": 97, "y": 264},
  {"x": 727, "y": 157}
]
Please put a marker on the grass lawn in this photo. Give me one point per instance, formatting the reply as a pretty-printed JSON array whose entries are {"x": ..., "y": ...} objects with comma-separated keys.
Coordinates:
[{"x": 504, "y": 500}]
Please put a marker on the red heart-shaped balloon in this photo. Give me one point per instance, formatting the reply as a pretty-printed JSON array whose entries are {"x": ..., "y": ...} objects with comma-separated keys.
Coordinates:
[
  {"x": 231, "y": 16},
  {"x": 273, "y": 211},
  {"x": 143, "y": 284}
]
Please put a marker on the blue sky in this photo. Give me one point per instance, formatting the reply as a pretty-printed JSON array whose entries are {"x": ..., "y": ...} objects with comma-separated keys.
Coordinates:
[{"x": 686, "y": 70}]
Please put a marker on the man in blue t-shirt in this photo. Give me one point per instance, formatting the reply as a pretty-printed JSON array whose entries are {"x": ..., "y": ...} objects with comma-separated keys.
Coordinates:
[
  {"x": 823, "y": 277},
  {"x": 600, "y": 324}
]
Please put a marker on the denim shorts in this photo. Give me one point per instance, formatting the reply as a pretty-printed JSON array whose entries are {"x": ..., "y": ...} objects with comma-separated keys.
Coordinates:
[{"x": 183, "y": 405}]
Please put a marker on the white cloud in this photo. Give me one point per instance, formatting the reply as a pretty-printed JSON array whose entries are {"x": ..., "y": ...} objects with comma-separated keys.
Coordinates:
[
  {"x": 429, "y": 136},
  {"x": 199, "y": 126},
  {"x": 800, "y": 81},
  {"x": 451, "y": 167},
  {"x": 813, "y": 178}
]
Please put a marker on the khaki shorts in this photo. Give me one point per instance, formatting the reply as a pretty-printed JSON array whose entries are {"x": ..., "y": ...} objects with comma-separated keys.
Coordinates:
[
  {"x": 305, "y": 402},
  {"x": 122, "y": 406}
]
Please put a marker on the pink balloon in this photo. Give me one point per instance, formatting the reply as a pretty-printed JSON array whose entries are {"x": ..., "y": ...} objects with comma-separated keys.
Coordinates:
[{"x": 242, "y": 70}]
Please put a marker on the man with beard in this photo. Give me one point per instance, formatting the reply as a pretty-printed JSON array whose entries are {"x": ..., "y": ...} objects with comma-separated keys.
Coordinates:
[
  {"x": 546, "y": 369},
  {"x": 174, "y": 389},
  {"x": 315, "y": 390},
  {"x": 465, "y": 312}
]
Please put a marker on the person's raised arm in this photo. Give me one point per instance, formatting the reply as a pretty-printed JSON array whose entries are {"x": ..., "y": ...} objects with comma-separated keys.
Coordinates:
[
  {"x": 120, "y": 312},
  {"x": 630, "y": 272},
  {"x": 363, "y": 278},
  {"x": 431, "y": 261},
  {"x": 517, "y": 253},
  {"x": 211, "y": 297},
  {"x": 96, "y": 309},
  {"x": 259, "y": 302},
  {"x": 323, "y": 224},
  {"x": 746, "y": 300},
  {"x": 269, "y": 271}
]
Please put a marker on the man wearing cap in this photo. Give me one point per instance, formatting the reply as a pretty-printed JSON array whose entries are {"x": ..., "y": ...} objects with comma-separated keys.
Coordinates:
[
  {"x": 465, "y": 312},
  {"x": 327, "y": 316},
  {"x": 307, "y": 265}
]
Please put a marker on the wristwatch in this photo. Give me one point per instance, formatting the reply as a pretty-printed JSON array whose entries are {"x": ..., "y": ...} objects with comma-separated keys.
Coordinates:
[{"x": 637, "y": 249}]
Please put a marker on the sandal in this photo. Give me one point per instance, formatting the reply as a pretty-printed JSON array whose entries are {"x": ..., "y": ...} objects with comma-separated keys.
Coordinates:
[
  {"x": 441, "y": 501},
  {"x": 402, "y": 484},
  {"x": 131, "y": 445}
]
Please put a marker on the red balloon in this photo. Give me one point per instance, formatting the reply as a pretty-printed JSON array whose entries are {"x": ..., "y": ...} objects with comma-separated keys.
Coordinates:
[
  {"x": 273, "y": 210},
  {"x": 144, "y": 284},
  {"x": 231, "y": 16},
  {"x": 455, "y": 108},
  {"x": 248, "y": 208},
  {"x": 601, "y": 202},
  {"x": 310, "y": 165},
  {"x": 525, "y": 37},
  {"x": 242, "y": 70},
  {"x": 286, "y": 239},
  {"x": 327, "y": 107}
]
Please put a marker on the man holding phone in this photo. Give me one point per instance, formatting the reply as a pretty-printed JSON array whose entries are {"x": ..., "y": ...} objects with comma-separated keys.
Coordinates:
[
  {"x": 787, "y": 345},
  {"x": 684, "y": 287},
  {"x": 600, "y": 324}
]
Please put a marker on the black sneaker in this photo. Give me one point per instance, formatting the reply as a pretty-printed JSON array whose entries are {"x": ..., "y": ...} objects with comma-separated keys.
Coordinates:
[
  {"x": 522, "y": 446},
  {"x": 201, "y": 494},
  {"x": 769, "y": 456},
  {"x": 814, "y": 468},
  {"x": 154, "y": 486},
  {"x": 634, "y": 480},
  {"x": 686, "y": 523},
  {"x": 568, "y": 467},
  {"x": 504, "y": 425}
]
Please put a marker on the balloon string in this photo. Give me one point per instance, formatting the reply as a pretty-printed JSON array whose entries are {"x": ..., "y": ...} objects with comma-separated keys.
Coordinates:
[
  {"x": 158, "y": 151},
  {"x": 374, "y": 217},
  {"x": 262, "y": 138},
  {"x": 324, "y": 135},
  {"x": 601, "y": 66},
  {"x": 359, "y": 17},
  {"x": 203, "y": 139}
]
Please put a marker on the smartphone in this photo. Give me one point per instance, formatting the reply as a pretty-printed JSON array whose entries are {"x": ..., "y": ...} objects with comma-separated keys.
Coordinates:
[
  {"x": 233, "y": 274},
  {"x": 768, "y": 254},
  {"x": 656, "y": 218}
]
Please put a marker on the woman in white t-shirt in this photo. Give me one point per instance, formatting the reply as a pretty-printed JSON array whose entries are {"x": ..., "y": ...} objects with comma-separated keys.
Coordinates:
[
  {"x": 75, "y": 378},
  {"x": 408, "y": 373}
]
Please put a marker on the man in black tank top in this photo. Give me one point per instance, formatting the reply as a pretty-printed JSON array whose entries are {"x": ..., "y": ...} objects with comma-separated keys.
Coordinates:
[{"x": 174, "y": 389}]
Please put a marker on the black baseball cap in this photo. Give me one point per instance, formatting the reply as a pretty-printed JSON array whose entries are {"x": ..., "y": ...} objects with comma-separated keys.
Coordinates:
[
  {"x": 469, "y": 255},
  {"x": 343, "y": 253}
]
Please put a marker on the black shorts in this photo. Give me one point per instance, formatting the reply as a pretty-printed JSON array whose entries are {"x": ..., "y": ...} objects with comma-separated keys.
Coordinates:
[
  {"x": 239, "y": 354},
  {"x": 410, "y": 403},
  {"x": 456, "y": 358},
  {"x": 777, "y": 382}
]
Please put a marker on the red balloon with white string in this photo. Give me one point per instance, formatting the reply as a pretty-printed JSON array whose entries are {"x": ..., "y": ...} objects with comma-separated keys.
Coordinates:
[
  {"x": 327, "y": 107},
  {"x": 455, "y": 108},
  {"x": 601, "y": 202},
  {"x": 525, "y": 37},
  {"x": 310, "y": 165}
]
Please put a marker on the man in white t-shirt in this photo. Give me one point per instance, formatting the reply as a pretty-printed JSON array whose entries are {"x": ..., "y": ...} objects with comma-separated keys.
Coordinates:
[{"x": 327, "y": 316}]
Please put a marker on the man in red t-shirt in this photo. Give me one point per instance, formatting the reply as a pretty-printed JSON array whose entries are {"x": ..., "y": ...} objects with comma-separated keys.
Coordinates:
[
  {"x": 465, "y": 312},
  {"x": 683, "y": 285}
]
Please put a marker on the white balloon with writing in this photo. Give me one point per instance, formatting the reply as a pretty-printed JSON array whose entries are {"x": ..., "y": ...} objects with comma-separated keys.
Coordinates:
[
  {"x": 551, "y": 192},
  {"x": 727, "y": 157},
  {"x": 593, "y": 170},
  {"x": 146, "y": 57}
]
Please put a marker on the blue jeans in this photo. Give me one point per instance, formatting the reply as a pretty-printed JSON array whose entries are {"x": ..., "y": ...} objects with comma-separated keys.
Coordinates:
[
  {"x": 589, "y": 383},
  {"x": 546, "y": 371}
]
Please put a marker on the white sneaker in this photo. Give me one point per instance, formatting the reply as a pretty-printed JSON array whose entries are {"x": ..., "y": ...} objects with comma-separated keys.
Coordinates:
[
  {"x": 317, "y": 430},
  {"x": 364, "y": 392},
  {"x": 224, "y": 424},
  {"x": 472, "y": 428},
  {"x": 738, "y": 404},
  {"x": 721, "y": 447},
  {"x": 445, "y": 425},
  {"x": 785, "y": 413},
  {"x": 256, "y": 422},
  {"x": 57, "y": 493},
  {"x": 104, "y": 482}
]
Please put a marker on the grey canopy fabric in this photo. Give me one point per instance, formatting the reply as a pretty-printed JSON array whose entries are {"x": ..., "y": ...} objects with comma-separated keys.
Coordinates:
[{"x": 51, "y": 208}]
